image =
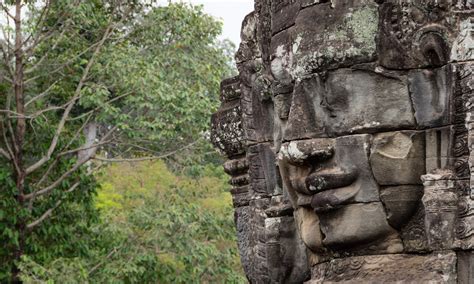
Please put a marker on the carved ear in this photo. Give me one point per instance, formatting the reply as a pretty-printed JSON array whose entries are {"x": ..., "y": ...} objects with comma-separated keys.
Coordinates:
[{"x": 434, "y": 49}]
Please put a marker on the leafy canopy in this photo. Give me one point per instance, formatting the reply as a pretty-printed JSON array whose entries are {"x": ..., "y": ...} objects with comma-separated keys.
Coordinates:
[
  {"x": 85, "y": 83},
  {"x": 157, "y": 228}
]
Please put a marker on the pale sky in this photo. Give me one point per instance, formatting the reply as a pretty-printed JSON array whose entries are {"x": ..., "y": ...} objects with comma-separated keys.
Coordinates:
[{"x": 231, "y": 12}]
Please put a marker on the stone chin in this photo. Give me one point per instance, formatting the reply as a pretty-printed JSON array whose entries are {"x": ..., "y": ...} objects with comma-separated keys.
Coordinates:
[{"x": 356, "y": 224}]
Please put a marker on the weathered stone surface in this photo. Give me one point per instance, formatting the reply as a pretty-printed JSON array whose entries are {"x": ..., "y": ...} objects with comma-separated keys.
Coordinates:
[
  {"x": 347, "y": 227},
  {"x": 308, "y": 226},
  {"x": 282, "y": 104},
  {"x": 344, "y": 34},
  {"x": 284, "y": 13},
  {"x": 244, "y": 229},
  {"x": 227, "y": 132},
  {"x": 415, "y": 34},
  {"x": 286, "y": 253},
  {"x": 430, "y": 93},
  {"x": 359, "y": 100},
  {"x": 240, "y": 196},
  {"x": 302, "y": 115},
  {"x": 465, "y": 267},
  {"x": 249, "y": 48},
  {"x": 353, "y": 101},
  {"x": 400, "y": 203},
  {"x": 463, "y": 47},
  {"x": 348, "y": 101},
  {"x": 413, "y": 233},
  {"x": 230, "y": 89},
  {"x": 262, "y": 170},
  {"x": 401, "y": 268},
  {"x": 440, "y": 201},
  {"x": 447, "y": 148},
  {"x": 282, "y": 58},
  {"x": 400, "y": 152},
  {"x": 257, "y": 117},
  {"x": 353, "y": 179},
  {"x": 465, "y": 223}
]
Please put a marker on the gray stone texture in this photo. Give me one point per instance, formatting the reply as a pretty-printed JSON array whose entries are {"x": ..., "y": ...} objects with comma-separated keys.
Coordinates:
[{"x": 349, "y": 134}]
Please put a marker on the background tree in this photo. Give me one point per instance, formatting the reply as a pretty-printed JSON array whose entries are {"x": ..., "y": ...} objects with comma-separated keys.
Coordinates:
[
  {"x": 160, "y": 228},
  {"x": 88, "y": 82}
]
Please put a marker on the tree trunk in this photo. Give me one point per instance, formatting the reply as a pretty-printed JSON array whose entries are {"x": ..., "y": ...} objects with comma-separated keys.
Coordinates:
[{"x": 19, "y": 136}]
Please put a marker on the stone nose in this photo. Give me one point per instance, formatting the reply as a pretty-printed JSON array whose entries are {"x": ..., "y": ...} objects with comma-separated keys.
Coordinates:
[{"x": 307, "y": 151}]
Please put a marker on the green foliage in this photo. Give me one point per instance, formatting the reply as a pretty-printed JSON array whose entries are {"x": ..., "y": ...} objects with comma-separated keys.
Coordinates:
[
  {"x": 154, "y": 81},
  {"x": 157, "y": 228}
]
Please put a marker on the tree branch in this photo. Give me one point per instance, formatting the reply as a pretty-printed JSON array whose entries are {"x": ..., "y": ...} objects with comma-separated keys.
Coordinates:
[
  {"x": 50, "y": 211},
  {"x": 109, "y": 255},
  {"x": 123, "y": 160},
  {"x": 5, "y": 9},
  {"x": 43, "y": 94},
  {"x": 72, "y": 102},
  {"x": 55, "y": 183},
  {"x": 78, "y": 164}
]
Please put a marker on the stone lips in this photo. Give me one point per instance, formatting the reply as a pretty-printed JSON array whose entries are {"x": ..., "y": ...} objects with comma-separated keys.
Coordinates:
[{"x": 349, "y": 131}]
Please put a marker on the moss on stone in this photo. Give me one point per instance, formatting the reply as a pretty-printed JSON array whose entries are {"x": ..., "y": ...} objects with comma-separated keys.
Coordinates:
[{"x": 364, "y": 26}]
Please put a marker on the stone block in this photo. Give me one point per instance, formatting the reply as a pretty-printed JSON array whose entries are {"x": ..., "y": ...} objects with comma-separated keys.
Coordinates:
[
  {"x": 281, "y": 57},
  {"x": 399, "y": 268},
  {"x": 284, "y": 13},
  {"x": 332, "y": 35},
  {"x": 430, "y": 93},
  {"x": 230, "y": 89},
  {"x": 465, "y": 267},
  {"x": 440, "y": 201},
  {"x": 226, "y": 131},
  {"x": 350, "y": 167},
  {"x": 257, "y": 117},
  {"x": 348, "y": 226},
  {"x": 413, "y": 233},
  {"x": 286, "y": 254},
  {"x": 357, "y": 101},
  {"x": 400, "y": 202},
  {"x": 303, "y": 121},
  {"x": 398, "y": 158},
  {"x": 262, "y": 170},
  {"x": 348, "y": 101}
]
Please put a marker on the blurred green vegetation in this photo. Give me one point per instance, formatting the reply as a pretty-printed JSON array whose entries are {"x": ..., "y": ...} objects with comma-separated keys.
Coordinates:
[
  {"x": 156, "y": 227},
  {"x": 150, "y": 90}
]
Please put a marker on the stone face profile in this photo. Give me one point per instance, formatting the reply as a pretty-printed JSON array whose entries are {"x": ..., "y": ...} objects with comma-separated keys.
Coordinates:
[{"x": 349, "y": 133}]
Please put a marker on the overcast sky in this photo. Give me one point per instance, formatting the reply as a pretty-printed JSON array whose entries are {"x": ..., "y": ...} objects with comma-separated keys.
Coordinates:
[{"x": 231, "y": 12}]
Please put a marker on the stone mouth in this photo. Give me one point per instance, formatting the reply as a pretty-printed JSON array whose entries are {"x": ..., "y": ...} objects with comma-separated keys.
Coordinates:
[
  {"x": 331, "y": 188},
  {"x": 327, "y": 179}
]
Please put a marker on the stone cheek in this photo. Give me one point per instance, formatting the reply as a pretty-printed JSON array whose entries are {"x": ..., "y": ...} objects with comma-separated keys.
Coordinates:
[
  {"x": 401, "y": 203},
  {"x": 400, "y": 152}
]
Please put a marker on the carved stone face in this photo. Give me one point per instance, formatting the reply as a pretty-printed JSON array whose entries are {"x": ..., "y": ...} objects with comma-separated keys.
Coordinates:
[
  {"x": 354, "y": 131},
  {"x": 340, "y": 110},
  {"x": 359, "y": 188}
]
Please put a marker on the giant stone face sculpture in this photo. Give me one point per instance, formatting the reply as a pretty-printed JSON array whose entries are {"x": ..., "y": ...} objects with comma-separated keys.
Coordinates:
[{"x": 349, "y": 133}]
